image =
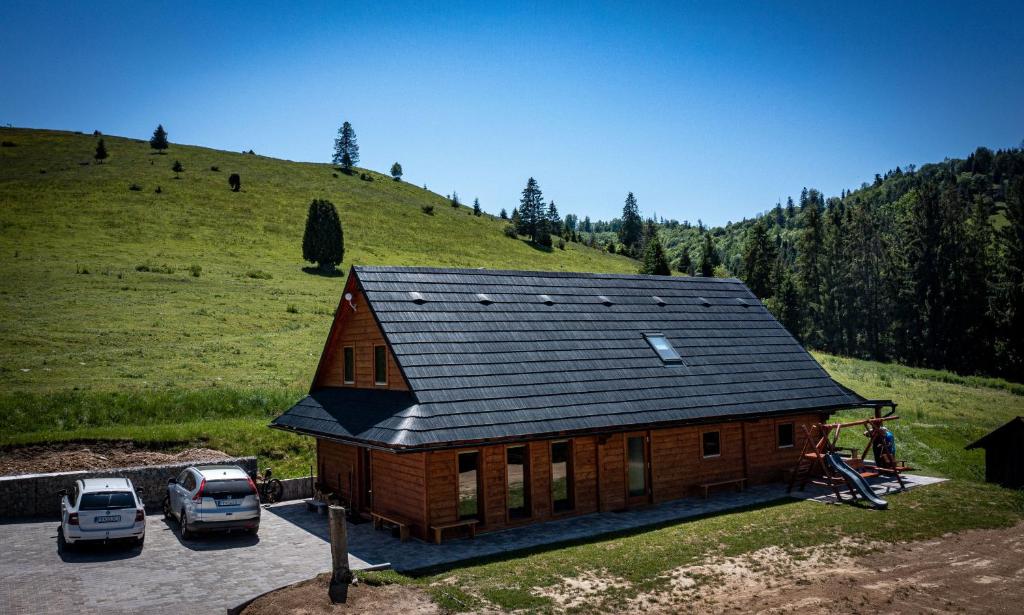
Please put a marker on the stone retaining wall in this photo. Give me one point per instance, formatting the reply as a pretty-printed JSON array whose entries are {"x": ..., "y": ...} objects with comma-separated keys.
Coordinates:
[{"x": 35, "y": 495}]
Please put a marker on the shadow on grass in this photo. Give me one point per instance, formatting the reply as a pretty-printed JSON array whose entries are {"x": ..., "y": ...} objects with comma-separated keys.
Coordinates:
[
  {"x": 515, "y": 553},
  {"x": 333, "y": 272}
]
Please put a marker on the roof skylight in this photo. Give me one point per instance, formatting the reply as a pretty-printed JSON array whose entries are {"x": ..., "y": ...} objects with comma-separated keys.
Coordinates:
[{"x": 663, "y": 347}]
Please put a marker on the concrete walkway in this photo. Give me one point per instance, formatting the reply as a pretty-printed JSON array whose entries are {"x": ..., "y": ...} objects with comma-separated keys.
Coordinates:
[{"x": 211, "y": 574}]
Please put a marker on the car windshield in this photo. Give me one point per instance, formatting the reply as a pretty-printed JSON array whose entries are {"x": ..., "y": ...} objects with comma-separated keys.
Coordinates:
[
  {"x": 228, "y": 488},
  {"x": 107, "y": 500}
]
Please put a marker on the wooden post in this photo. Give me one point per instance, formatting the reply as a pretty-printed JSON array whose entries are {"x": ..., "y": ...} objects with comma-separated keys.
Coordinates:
[{"x": 341, "y": 575}]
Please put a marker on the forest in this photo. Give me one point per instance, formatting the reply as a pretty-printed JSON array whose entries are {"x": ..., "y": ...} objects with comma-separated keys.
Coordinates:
[{"x": 923, "y": 266}]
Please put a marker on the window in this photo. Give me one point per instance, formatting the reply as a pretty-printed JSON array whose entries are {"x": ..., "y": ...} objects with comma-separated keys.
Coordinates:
[
  {"x": 517, "y": 462},
  {"x": 712, "y": 445},
  {"x": 107, "y": 500},
  {"x": 561, "y": 476},
  {"x": 469, "y": 486},
  {"x": 350, "y": 365},
  {"x": 190, "y": 481},
  {"x": 661, "y": 345},
  {"x": 785, "y": 433},
  {"x": 636, "y": 469},
  {"x": 380, "y": 365}
]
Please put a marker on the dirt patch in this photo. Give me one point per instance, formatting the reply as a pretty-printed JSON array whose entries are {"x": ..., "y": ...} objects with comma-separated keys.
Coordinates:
[
  {"x": 310, "y": 598},
  {"x": 980, "y": 571},
  {"x": 67, "y": 457},
  {"x": 578, "y": 591}
]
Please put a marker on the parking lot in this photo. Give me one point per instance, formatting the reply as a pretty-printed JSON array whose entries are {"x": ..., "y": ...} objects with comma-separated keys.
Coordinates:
[{"x": 205, "y": 575}]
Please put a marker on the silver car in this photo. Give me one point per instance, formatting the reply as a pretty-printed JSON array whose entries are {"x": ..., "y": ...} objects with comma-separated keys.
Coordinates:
[
  {"x": 100, "y": 510},
  {"x": 211, "y": 498}
]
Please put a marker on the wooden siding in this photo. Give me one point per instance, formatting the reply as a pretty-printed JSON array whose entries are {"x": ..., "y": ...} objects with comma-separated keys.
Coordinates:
[
  {"x": 359, "y": 330},
  {"x": 337, "y": 466},
  {"x": 442, "y": 487},
  {"x": 399, "y": 487},
  {"x": 612, "y": 461}
]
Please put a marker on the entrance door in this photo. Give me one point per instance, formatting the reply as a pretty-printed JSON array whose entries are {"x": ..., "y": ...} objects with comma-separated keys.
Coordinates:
[
  {"x": 364, "y": 499},
  {"x": 638, "y": 468}
]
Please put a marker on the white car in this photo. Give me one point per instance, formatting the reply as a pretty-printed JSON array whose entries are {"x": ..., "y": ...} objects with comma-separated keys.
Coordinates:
[
  {"x": 100, "y": 510},
  {"x": 211, "y": 498}
]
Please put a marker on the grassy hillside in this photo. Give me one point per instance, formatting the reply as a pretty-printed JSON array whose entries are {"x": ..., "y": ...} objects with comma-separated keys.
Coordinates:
[{"x": 98, "y": 287}]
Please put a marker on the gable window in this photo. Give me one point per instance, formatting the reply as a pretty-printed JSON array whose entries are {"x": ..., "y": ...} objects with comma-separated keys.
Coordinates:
[
  {"x": 517, "y": 468},
  {"x": 786, "y": 437},
  {"x": 663, "y": 347},
  {"x": 349, "y": 357},
  {"x": 561, "y": 476},
  {"x": 711, "y": 443},
  {"x": 469, "y": 485},
  {"x": 380, "y": 365}
]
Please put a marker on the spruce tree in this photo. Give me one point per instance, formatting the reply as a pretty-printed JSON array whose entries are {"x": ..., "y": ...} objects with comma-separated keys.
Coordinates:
[
  {"x": 532, "y": 214},
  {"x": 1010, "y": 289},
  {"x": 101, "y": 152},
  {"x": 453, "y": 200},
  {"x": 554, "y": 220},
  {"x": 655, "y": 262},
  {"x": 345, "y": 143},
  {"x": 323, "y": 241},
  {"x": 504, "y": 214},
  {"x": 759, "y": 258},
  {"x": 685, "y": 263},
  {"x": 808, "y": 272},
  {"x": 476, "y": 207},
  {"x": 177, "y": 168},
  {"x": 708, "y": 257},
  {"x": 159, "y": 139},
  {"x": 346, "y": 163},
  {"x": 396, "y": 172},
  {"x": 632, "y": 226},
  {"x": 785, "y": 304}
]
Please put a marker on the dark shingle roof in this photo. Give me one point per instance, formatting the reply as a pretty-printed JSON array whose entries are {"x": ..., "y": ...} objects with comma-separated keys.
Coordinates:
[{"x": 555, "y": 352}]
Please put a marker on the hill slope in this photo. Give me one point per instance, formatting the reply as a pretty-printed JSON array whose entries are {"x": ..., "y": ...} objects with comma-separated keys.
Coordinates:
[{"x": 99, "y": 290}]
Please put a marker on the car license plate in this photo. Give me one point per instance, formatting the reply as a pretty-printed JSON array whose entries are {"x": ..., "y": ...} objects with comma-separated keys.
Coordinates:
[
  {"x": 108, "y": 519},
  {"x": 228, "y": 502}
]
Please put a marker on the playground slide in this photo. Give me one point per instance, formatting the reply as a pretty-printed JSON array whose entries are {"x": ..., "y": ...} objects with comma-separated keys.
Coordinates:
[{"x": 855, "y": 480}]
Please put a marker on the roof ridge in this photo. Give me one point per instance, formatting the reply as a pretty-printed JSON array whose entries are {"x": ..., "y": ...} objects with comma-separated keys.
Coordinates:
[{"x": 536, "y": 273}]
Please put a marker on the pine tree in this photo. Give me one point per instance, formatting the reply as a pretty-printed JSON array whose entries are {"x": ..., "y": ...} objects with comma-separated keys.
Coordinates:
[
  {"x": 655, "y": 262},
  {"x": 785, "y": 303},
  {"x": 808, "y": 272},
  {"x": 177, "y": 168},
  {"x": 1010, "y": 289},
  {"x": 476, "y": 207},
  {"x": 453, "y": 200},
  {"x": 345, "y": 143},
  {"x": 632, "y": 225},
  {"x": 101, "y": 152},
  {"x": 504, "y": 214},
  {"x": 759, "y": 258},
  {"x": 708, "y": 257},
  {"x": 159, "y": 139},
  {"x": 323, "y": 241},
  {"x": 396, "y": 172},
  {"x": 346, "y": 163}
]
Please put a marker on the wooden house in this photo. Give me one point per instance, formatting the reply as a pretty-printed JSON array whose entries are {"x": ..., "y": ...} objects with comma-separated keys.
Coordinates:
[
  {"x": 450, "y": 397},
  {"x": 1004, "y": 453}
]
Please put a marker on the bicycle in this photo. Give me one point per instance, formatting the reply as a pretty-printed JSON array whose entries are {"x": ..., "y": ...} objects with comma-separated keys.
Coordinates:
[{"x": 270, "y": 489}]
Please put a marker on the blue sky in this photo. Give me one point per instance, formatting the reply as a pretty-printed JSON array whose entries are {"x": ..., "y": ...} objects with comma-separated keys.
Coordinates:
[{"x": 704, "y": 110}]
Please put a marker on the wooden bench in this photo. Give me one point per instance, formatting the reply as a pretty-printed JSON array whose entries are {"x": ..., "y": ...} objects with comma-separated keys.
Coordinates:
[
  {"x": 470, "y": 523},
  {"x": 402, "y": 525},
  {"x": 735, "y": 481}
]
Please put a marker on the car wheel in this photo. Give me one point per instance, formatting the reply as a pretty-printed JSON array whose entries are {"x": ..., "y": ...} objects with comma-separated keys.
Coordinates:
[
  {"x": 167, "y": 507},
  {"x": 139, "y": 543},
  {"x": 186, "y": 533},
  {"x": 63, "y": 546}
]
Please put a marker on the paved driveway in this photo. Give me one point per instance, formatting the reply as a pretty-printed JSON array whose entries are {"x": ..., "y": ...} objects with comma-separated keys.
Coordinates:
[{"x": 206, "y": 575}]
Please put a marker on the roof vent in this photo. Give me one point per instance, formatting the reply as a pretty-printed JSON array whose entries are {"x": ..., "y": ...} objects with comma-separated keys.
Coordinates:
[
  {"x": 743, "y": 302},
  {"x": 605, "y": 300},
  {"x": 658, "y": 300},
  {"x": 546, "y": 300},
  {"x": 704, "y": 302},
  {"x": 417, "y": 298},
  {"x": 484, "y": 299}
]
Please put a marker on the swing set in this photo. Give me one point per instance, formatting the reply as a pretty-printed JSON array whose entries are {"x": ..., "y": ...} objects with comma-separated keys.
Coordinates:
[{"x": 820, "y": 462}]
